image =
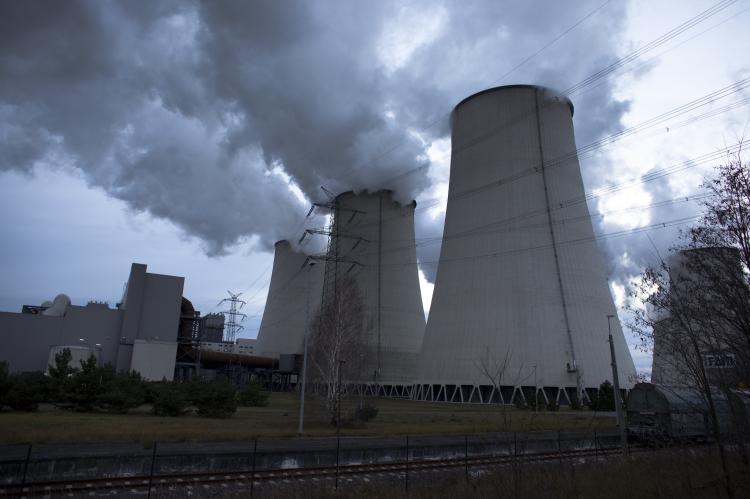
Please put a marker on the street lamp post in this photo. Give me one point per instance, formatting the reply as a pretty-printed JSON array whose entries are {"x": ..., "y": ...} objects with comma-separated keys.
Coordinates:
[
  {"x": 304, "y": 353},
  {"x": 616, "y": 386},
  {"x": 338, "y": 420}
]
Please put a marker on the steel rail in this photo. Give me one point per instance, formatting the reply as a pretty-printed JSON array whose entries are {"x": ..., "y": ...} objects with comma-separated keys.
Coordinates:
[{"x": 266, "y": 475}]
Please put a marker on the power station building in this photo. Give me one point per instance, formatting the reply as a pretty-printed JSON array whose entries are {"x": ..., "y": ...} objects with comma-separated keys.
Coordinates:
[
  {"x": 293, "y": 298},
  {"x": 140, "y": 334},
  {"x": 521, "y": 299}
]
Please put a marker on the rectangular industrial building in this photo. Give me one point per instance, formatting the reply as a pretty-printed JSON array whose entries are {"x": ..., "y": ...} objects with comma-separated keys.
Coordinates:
[{"x": 139, "y": 334}]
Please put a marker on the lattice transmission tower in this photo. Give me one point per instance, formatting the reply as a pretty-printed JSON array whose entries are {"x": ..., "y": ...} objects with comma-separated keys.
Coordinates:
[
  {"x": 232, "y": 325},
  {"x": 332, "y": 256}
]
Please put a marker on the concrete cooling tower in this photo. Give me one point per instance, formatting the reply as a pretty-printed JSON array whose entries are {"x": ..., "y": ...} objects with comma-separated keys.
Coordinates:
[
  {"x": 521, "y": 296},
  {"x": 706, "y": 288},
  {"x": 285, "y": 317},
  {"x": 377, "y": 233}
]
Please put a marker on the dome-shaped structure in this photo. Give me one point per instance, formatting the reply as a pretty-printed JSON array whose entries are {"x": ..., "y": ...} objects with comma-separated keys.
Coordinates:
[
  {"x": 59, "y": 306},
  {"x": 286, "y": 315},
  {"x": 521, "y": 296}
]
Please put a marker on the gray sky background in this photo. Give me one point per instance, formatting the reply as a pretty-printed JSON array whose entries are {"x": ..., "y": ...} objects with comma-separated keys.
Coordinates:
[{"x": 192, "y": 135}]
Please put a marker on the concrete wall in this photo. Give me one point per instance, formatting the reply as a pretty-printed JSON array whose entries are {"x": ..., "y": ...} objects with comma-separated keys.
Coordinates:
[
  {"x": 155, "y": 360},
  {"x": 28, "y": 338},
  {"x": 160, "y": 313}
]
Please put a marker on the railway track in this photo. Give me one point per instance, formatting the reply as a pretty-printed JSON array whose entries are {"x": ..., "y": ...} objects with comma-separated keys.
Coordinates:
[{"x": 142, "y": 483}]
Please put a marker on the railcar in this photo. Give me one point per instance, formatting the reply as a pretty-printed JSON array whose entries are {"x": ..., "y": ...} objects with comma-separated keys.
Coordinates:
[{"x": 662, "y": 412}]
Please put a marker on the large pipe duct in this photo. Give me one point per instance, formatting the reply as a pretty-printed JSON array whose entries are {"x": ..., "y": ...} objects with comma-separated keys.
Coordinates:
[{"x": 521, "y": 296}]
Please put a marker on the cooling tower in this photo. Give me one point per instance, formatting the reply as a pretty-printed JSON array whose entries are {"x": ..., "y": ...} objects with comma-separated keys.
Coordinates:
[
  {"x": 521, "y": 296},
  {"x": 374, "y": 244},
  {"x": 285, "y": 317},
  {"x": 707, "y": 291}
]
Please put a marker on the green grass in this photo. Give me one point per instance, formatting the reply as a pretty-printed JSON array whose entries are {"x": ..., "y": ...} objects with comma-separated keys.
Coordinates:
[{"x": 280, "y": 419}]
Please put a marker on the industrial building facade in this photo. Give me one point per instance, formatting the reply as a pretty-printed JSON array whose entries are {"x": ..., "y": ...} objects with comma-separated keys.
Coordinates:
[{"x": 140, "y": 334}]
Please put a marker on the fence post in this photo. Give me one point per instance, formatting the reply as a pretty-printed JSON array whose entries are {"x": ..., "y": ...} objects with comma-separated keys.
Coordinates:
[
  {"x": 252, "y": 473},
  {"x": 26, "y": 464},
  {"x": 596, "y": 447},
  {"x": 466, "y": 456},
  {"x": 407, "y": 464},
  {"x": 151, "y": 473},
  {"x": 338, "y": 447}
]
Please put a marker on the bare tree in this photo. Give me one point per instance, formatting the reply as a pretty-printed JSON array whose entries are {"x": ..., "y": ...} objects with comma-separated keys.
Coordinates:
[
  {"x": 337, "y": 342},
  {"x": 498, "y": 372},
  {"x": 696, "y": 318}
]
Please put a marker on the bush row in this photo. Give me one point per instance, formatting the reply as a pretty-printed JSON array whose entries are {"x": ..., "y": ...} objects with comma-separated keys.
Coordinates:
[{"x": 92, "y": 388}]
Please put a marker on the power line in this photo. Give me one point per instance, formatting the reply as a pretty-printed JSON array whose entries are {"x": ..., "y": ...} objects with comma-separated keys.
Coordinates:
[
  {"x": 588, "y": 81},
  {"x": 658, "y": 225}
]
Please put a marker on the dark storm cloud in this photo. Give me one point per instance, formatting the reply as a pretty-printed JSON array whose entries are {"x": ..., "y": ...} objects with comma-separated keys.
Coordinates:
[{"x": 196, "y": 111}]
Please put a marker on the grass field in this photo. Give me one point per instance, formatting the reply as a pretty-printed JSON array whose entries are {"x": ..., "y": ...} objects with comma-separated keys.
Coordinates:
[{"x": 280, "y": 419}]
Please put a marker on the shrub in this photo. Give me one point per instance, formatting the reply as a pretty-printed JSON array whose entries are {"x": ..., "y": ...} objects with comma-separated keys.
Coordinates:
[
  {"x": 168, "y": 399},
  {"x": 604, "y": 400},
  {"x": 520, "y": 404},
  {"x": 59, "y": 374},
  {"x": 124, "y": 391},
  {"x": 252, "y": 396},
  {"x": 366, "y": 413},
  {"x": 82, "y": 390},
  {"x": 216, "y": 400},
  {"x": 552, "y": 405},
  {"x": 5, "y": 383},
  {"x": 26, "y": 391}
]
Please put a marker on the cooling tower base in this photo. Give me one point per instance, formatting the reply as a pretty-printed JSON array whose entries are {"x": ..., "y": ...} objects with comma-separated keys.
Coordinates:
[
  {"x": 488, "y": 394},
  {"x": 467, "y": 394}
]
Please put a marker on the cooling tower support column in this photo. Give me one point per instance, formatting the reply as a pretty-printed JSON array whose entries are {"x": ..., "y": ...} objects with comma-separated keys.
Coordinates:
[{"x": 573, "y": 362}]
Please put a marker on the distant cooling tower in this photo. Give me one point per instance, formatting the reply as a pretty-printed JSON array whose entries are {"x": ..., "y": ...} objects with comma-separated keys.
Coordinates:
[
  {"x": 377, "y": 233},
  {"x": 521, "y": 297},
  {"x": 285, "y": 317},
  {"x": 701, "y": 279}
]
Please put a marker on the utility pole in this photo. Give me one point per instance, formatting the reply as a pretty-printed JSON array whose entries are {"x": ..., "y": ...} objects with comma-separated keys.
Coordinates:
[
  {"x": 616, "y": 385},
  {"x": 233, "y": 324},
  {"x": 338, "y": 420},
  {"x": 309, "y": 265},
  {"x": 536, "y": 391}
]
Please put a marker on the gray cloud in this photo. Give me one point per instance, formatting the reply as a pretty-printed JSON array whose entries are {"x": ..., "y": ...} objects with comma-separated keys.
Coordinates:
[{"x": 189, "y": 110}]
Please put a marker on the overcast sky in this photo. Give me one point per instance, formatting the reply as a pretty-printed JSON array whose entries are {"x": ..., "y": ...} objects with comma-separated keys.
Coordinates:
[{"x": 191, "y": 136}]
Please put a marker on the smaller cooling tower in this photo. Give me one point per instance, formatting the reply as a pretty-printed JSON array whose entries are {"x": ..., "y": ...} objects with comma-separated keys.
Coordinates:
[
  {"x": 700, "y": 280},
  {"x": 285, "y": 317},
  {"x": 377, "y": 233}
]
